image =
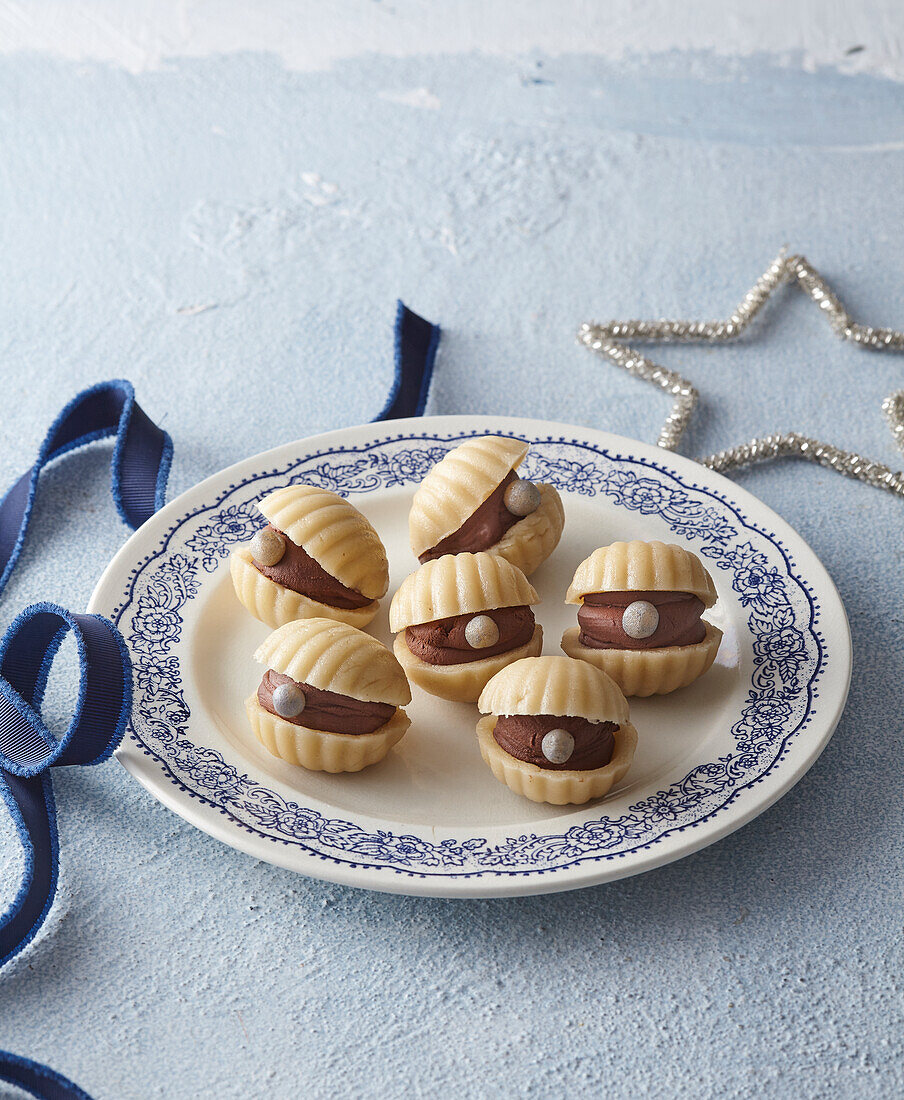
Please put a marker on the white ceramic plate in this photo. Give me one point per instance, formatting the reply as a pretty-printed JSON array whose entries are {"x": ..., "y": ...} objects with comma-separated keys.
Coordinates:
[{"x": 431, "y": 819}]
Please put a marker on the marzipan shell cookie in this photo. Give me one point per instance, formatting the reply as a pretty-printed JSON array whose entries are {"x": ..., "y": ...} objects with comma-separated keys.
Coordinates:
[
  {"x": 461, "y": 683},
  {"x": 334, "y": 533},
  {"x": 559, "y": 788},
  {"x": 531, "y": 540},
  {"x": 457, "y": 485},
  {"x": 334, "y": 657},
  {"x": 319, "y": 751},
  {"x": 649, "y": 671},
  {"x": 641, "y": 567},
  {"x": 554, "y": 685},
  {"x": 458, "y": 584},
  {"x": 276, "y": 605}
]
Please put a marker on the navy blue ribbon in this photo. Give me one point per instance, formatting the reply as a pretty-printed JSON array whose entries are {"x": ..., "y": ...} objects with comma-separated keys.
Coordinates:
[
  {"x": 28, "y": 750},
  {"x": 139, "y": 467},
  {"x": 40, "y": 1081},
  {"x": 416, "y": 341}
]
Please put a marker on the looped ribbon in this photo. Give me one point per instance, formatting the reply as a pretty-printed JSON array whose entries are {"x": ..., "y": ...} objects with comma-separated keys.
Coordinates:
[
  {"x": 28, "y": 750},
  {"x": 139, "y": 467},
  {"x": 40, "y": 1081}
]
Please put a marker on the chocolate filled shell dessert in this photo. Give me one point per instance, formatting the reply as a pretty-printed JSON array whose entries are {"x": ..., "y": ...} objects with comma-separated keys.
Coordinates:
[
  {"x": 316, "y": 556},
  {"x": 461, "y": 618},
  {"x": 304, "y": 705},
  {"x": 330, "y": 697},
  {"x": 556, "y": 730},
  {"x": 473, "y": 500},
  {"x": 639, "y": 617}
]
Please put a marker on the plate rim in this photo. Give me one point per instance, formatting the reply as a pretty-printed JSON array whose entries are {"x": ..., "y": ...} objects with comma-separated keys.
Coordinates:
[{"x": 153, "y": 774}]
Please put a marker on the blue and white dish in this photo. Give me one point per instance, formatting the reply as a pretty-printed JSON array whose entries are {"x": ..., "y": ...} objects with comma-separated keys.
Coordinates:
[{"x": 431, "y": 819}]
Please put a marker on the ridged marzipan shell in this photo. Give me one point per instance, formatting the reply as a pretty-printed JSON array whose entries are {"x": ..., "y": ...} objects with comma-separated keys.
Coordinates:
[
  {"x": 458, "y": 585},
  {"x": 334, "y": 657},
  {"x": 554, "y": 685},
  {"x": 639, "y": 567},
  {"x": 319, "y": 751},
  {"x": 558, "y": 788},
  {"x": 457, "y": 485},
  {"x": 333, "y": 532},
  {"x": 275, "y": 605},
  {"x": 645, "y": 672}
]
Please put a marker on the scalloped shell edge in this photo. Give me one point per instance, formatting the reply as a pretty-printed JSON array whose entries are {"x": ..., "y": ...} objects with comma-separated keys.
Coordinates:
[
  {"x": 640, "y": 567},
  {"x": 459, "y": 584},
  {"x": 333, "y": 532},
  {"x": 555, "y": 685},
  {"x": 334, "y": 656},
  {"x": 458, "y": 484}
]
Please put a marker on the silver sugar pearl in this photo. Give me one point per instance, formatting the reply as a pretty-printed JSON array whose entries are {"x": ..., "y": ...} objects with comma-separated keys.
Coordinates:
[
  {"x": 267, "y": 547},
  {"x": 557, "y": 746},
  {"x": 640, "y": 619},
  {"x": 481, "y": 632},
  {"x": 521, "y": 497},
  {"x": 288, "y": 700}
]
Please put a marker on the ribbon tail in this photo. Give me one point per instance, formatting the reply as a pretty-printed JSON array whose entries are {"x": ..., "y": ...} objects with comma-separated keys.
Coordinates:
[
  {"x": 28, "y": 750},
  {"x": 15, "y": 512},
  {"x": 141, "y": 464},
  {"x": 40, "y": 1081},
  {"x": 416, "y": 342},
  {"x": 31, "y": 805},
  {"x": 139, "y": 468}
]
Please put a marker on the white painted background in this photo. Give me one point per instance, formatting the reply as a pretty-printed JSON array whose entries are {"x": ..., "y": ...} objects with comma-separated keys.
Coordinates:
[{"x": 141, "y": 35}]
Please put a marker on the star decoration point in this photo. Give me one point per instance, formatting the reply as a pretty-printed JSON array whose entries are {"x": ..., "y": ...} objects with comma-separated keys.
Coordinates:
[{"x": 607, "y": 340}]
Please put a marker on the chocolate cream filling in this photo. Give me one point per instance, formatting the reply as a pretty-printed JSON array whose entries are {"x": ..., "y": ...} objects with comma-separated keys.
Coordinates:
[
  {"x": 297, "y": 570},
  {"x": 521, "y": 735},
  {"x": 482, "y": 529},
  {"x": 443, "y": 642},
  {"x": 326, "y": 710},
  {"x": 600, "y": 620}
]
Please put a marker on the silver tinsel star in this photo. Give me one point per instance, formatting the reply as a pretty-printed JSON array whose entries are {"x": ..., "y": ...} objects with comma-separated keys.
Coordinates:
[{"x": 605, "y": 340}]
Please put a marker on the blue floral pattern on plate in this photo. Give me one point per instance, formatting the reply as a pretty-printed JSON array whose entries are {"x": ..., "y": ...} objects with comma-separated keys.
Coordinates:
[{"x": 789, "y": 658}]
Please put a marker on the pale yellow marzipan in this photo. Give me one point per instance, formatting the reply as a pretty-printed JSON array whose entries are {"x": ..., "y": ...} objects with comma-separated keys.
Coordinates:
[
  {"x": 276, "y": 605},
  {"x": 457, "y": 485},
  {"x": 459, "y": 584},
  {"x": 640, "y": 567},
  {"x": 336, "y": 657},
  {"x": 555, "y": 685},
  {"x": 319, "y": 751},
  {"x": 333, "y": 532},
  {"x": 559, "y": 788},
  {"x": 461, "y": 683},
  {"x": 643, "y": 672}
]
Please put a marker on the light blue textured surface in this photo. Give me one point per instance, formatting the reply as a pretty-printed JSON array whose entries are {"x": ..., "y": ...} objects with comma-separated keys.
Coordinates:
[{"x": 542, "y": 193}]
